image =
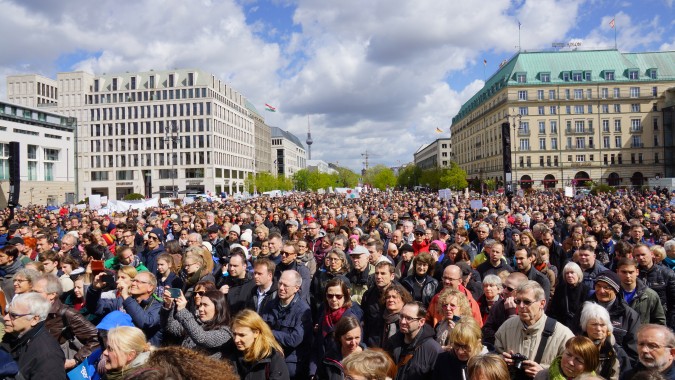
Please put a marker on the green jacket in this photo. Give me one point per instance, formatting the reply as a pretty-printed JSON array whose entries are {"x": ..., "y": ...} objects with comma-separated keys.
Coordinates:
[
  {"x": 648, "y": 304},
  {"x": 114, "y": 264}
]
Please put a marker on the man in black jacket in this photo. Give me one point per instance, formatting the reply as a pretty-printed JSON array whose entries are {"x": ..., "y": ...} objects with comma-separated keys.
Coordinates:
[
  {"x": 414, "y": 348},
  {"x": 38, "y": 355},
  {"x": 659, "y": 278},
  {"x": 265, "y": 287},
  {"x": 238, "y": 285},
  {"x": 524, "y": 260},
  {"x": 373, "y": 320}
]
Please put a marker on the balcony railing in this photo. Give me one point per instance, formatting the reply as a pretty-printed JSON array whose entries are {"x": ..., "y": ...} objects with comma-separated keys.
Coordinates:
[
  {"x": 524, "y": 132},
  {"x": 584, "y": 131}
]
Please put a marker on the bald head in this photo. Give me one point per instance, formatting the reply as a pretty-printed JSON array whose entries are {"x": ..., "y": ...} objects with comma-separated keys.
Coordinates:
[{"x": 452, "y": 277}]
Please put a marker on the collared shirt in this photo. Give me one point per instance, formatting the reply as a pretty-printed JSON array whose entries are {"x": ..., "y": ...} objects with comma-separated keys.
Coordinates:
[{"x": 261, "y": 296}]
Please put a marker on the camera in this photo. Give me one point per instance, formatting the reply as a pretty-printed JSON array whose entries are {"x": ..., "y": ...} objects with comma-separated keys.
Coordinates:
[{"x": 518, "y": 360}]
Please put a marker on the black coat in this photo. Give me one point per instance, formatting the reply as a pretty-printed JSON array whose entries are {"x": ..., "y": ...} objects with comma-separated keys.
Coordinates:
[
  {"x": 37, "y": 353},
  {"x": 448, "y": 366},
  {"x": 661, "y": 279},
  {"x": 269, "y": 368},
  {"x": 567, "y": 302},
  {"x": 239, "y": 292},
  {"x": 498, "y": 314},
  {"x": 424, "y": 350}
]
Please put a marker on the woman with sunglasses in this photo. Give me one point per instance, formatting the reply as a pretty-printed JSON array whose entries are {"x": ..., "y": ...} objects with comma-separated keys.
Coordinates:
[
  {"x": 338, "y": 304},
  {"x": 208, "y": 332},
  {"x": 465, "y": 342},
  {"x": 453, "y": 306},
  {"x": 335, "y": 266}
]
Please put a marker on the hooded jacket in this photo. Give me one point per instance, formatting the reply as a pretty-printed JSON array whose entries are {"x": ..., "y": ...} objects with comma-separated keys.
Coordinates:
[
  {"x": 239, "y": 292},
  {"x": 424, "y": 350}
]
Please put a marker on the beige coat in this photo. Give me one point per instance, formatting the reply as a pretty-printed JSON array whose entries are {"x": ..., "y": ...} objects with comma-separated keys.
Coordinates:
[{"x": 513, "y": 336}]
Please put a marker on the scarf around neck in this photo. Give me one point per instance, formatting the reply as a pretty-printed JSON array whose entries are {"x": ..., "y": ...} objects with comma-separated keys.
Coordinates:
[{"x": 330, "y": 319}]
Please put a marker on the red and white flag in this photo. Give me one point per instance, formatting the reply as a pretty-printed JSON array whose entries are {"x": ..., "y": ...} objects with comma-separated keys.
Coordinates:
[
  {"x": 611, "y": 24},
  {"x": 270, "y": 108}
]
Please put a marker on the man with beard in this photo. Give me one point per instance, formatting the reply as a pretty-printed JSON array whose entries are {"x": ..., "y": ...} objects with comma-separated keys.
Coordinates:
[{"x": 656, "y": 350}]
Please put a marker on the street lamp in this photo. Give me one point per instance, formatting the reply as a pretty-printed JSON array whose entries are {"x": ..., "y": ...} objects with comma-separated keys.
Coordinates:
[
  {"x": 511, "y": 119},
  {"x": 172, "y": 137}
]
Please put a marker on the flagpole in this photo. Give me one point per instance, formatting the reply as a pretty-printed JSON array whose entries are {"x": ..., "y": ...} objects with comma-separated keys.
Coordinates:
[
  {"x": 519, "y": 46},
  {"x": 615, "y": 33}
]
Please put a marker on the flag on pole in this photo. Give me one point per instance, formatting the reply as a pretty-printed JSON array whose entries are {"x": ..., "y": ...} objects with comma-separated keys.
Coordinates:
[
  {"x": 484, "y": 62},
  {"x": 519, "y": 24},
  {"x": 611, "y": 24},
  {"x": 270, "y": 108},
  {"x": 438, "y": 130}
]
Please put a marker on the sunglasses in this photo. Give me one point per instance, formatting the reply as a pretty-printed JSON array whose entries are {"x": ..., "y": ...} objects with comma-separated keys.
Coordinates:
[
  {"x": 153, "y": 238},
  {"x": 524, "y": 302},
  {"x": 336, "y": 296}
]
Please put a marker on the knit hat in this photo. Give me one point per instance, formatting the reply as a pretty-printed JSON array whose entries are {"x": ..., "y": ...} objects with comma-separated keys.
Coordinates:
[
  {"x": 611, "y": 279},
  {"x": 158, "y": 232},
  {"x": 108, "y": 239},
  {"x": 235, "y": 228},
  {"x": 247, "y": 236},
  {"x": 440, "y": 245}
]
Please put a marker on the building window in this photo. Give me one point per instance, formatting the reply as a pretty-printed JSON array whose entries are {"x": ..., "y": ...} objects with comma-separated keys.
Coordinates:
[
  {"x": 579, "y": 109},
  {"x": 581, "y": 143},
  {"x": 99, "y": 176},
  {"x": 579, "y": 126},
  {"x": 617, "y": 125},
  {"x": 604, "y": 93},
  {"x": 652, "y": 73},
  {"x": 542, "y": 144},
  {"x": 522, "y": 95},
  {"x": 635, "y": 92},
  {"x": 171, "y": 80},
  {"x": 554, "y": 143},
  {"x": 555, "y": 160},
  {"x": 633, "y": 74},
  {"x": 194, "y": 173},
  {"x": 654, "y": 91},
  {"x": 605, "y": 159},
  {"x": 51, "y": 154},
  {"x": 566, "y": 77},
  {"x": 656, "y": 158},
  {"x": 609, "y": 75},
  {"x": 605, "y": 142},
  {"x": 32, "y": 152},
  {"x": 49, "y": 171},
  {"x": 578, "y": 94},
  {"x": 617, "y": 141},
  {"x": 619, "y": 158},
  {"x": 635, "y": 125},
  {"x": 617, "y": 92},
  {"x": 589, "y": 94},
  {"x": 132, "y": 83},
  {"x": 191, "y": 79},
  {"x": 554, "y": 126},
  {"x": 605, "y": 125},
  {"x": 587, "y": 75},
  {"x": 522, "y": 111},
  {"x": 635, "y": 108},
  {"x": 541, "y": 161},
  {"x": 524, "y": 144},
  {"x": 114, "y": 84},
  {"x": 590, "y": 108},
  {"x": 546, "y": 77},
  {"x": 542, "y": 127},
  {"x": 637, "y": 142},
  {"x": 540, "y": 94},
  {"x": 611, "y": 159},
  {"x": 551, "y": 94},
  {"x": 521, "y": 78},
  {"x": 553, "y": 110},
  {"x": 617, "y": 108},
  {"x": 568, "y": 109},
  {"x": 567, "y": 94},
  {"x": 540, "y": 109},
  {"x": 580, "y": 158},
  {"x": 604, "y": 108},
  {"x": 640, "y": 160},
  {"x": 656, "y": 123}
]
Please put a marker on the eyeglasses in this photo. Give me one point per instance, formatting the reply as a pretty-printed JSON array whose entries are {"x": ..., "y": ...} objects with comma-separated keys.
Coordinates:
[
  {"x": 461, "y": 347},
  {"x": 14, "y": 316},
  {"x": 524, "y": 302},
  {"x": 336, "y": 296},
  {"x": 21, "y": 280},
  {"x": 200, "y": 293},
  {"x": 286, "y": 253},
  {"x": 419, "y": 233},
  {"x": 510, "y": 289},
  {"x": 407, "y": 318}
]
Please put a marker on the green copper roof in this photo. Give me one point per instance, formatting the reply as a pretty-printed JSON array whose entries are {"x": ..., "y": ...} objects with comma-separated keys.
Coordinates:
[
  {"x": 561, "y": 65},
  {"x": 252, "y": 108}
]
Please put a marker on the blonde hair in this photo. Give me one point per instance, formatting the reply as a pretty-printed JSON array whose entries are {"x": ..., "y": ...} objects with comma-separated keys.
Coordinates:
[
  {"x": 125, "y": 339},
  {"x": 264, "y": 344},
  {"x": 128, "y": 270},
  {"x": 659, "y": 253},
  {"x": 202, "y": 256},
  {"x": 488, "y": 367},
  {"x": 467, "y": 332},
  {"x": 462, "y": 301},
  {"x": 373, "y": 364}
]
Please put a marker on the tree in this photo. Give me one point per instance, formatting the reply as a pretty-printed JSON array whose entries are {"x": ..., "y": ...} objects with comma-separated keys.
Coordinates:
[
  {"x": 133, "y": 197},
  {"x": 380, "y": 177},
  {"x": 454, "y": 178},
  {"x": 266, "y": 181},
  {"x": 346, "y": 178},
  {"x": 408, "y": 176}
]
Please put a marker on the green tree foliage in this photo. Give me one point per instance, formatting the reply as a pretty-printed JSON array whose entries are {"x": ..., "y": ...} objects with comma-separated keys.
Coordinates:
[
  {"x": 454, "y": 178},
  {"x": 266, "y": 182},
  {"x": 305, "y": 180},
  {"x": 346, "y": 178},
  {"x": 380, "y": 177},
  {"x": 133, "y": 197},
  {"x": 409, "y": 176}
]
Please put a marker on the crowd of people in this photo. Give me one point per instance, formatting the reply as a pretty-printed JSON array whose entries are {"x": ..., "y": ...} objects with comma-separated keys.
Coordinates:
[{"x": 389, "y": 285}]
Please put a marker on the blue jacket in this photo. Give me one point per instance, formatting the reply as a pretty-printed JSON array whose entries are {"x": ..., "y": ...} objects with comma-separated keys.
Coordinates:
[
  {"x": 149, "y": 258},
  {"x": 292, "y": 328},
  {"x": 144, "y": 315}
]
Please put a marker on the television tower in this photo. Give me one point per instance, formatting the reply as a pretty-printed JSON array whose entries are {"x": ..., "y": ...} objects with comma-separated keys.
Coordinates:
[{"x": 309, "y": 140}]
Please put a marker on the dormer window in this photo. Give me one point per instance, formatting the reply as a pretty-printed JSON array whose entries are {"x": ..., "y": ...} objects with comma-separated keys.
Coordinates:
[
  {"x": 587, "y": 76},
  {"x": 576, "y": 76},
  {"x": 609, "y": 75},
  {"x": 521, "y": 78},
  {"x": 566, "y": 76},
  {"x": 633, "y": 74},
  {"x": 652, "y": 74},
  {"x": 545, "y": 77}
]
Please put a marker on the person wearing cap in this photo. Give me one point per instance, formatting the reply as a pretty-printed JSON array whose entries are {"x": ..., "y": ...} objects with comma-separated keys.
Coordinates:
[
  {"x": 659, "y": 278},
  {"x": 420, "y": 244},
  {"x": 625, "y": 320},
  {"x": 407, "y": 254},
  {"x": 110, "y": 321},
  {"x": 153, "y": 249},
  {"x": 291, "y": 228},
  {"x": 360, "y": 277}
]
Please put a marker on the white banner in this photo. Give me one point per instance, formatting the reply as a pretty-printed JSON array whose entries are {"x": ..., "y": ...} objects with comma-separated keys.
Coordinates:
[{"x": 94, "y": 202}]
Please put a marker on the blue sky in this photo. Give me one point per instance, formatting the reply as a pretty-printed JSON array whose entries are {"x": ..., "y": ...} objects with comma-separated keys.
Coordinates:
[{"x": 380, "y": 75}]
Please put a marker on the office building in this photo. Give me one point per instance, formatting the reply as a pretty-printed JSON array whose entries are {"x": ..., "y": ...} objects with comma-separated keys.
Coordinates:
[
  {"x": 288, "y": 153},
  {"x": 574, "y": 116},
  {"x": 437, "y": 154},
  {"x": 46, "y": 155},
  {"x": 155, "y": 132}
]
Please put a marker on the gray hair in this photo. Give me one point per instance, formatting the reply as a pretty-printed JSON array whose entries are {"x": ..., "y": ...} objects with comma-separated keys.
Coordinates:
[
  {"x": 492, "y": 279},
  {"x": 669, "y": 245},
  {"x": 197, "y": 236},
  {"x": 534, "y": 286},
  {"x": 69, "y": 238},
  {"x": 667, "y": 332},
  {"x": 594, "y": 311},
  {"x": 30, "y": 274},
  {"x": 52, "y": 285},
  {"x": 36, "y": 304},
  {"x": 295, "y": 274},
  {"x": 575, "y": 268}
]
